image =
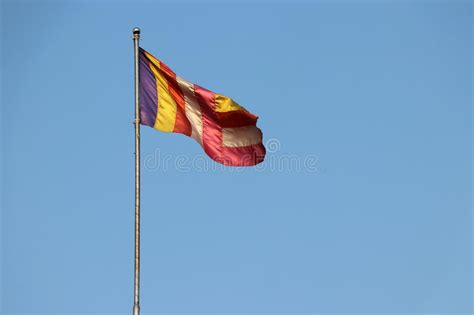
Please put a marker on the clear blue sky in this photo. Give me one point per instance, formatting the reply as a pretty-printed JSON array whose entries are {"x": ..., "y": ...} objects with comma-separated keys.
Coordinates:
[{"x": 379, "y": 92}]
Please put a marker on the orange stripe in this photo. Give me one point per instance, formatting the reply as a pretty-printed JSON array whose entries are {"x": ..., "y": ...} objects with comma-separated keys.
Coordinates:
[{"x": 182, "y": 124}]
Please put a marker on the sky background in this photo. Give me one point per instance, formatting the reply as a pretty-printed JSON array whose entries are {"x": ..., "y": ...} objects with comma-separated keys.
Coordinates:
[{"x": 376, "y": 95}]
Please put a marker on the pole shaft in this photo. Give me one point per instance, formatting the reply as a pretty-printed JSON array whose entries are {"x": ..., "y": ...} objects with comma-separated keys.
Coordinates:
[{"x": 136, "y": 293}]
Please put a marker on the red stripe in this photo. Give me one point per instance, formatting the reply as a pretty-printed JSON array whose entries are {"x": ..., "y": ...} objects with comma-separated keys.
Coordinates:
[
  {"x": 236, "y": 119},
  {"x": 243, "y": 156},
  {"x": 211, "y": 131},
  {"x": 181, "y": 124}
]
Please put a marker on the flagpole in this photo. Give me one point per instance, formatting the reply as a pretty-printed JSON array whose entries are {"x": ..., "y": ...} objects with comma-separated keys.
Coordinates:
[{"x": 136, "y": 291}]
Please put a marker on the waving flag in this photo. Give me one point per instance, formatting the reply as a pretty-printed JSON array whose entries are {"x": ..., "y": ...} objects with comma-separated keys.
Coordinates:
[{"x": 226, "y": 131}]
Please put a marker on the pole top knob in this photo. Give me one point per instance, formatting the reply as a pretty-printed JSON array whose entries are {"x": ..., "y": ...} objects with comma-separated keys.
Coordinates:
[{"x": 136, "y": 31}]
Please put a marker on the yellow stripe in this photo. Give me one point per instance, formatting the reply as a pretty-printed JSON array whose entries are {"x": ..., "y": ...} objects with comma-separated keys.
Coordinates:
[
  {"x": 226, "y": 104},
  {"x": 166, "y": 117},
  {"x": 153, "y": 60}
]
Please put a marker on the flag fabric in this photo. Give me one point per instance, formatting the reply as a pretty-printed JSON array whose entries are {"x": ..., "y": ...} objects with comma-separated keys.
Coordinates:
[{"x": 226, "y": 131}]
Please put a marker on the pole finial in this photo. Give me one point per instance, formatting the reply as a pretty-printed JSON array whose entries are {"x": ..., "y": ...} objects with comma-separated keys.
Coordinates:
[{"x": 136, "y": 31}]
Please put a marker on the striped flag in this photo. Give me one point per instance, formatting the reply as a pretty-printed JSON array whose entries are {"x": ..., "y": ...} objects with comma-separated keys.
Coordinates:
[{"x": 226, "y": 131}]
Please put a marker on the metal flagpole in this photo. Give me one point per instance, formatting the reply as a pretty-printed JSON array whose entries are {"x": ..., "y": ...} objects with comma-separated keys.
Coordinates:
[{"x": 136, "y": 294}]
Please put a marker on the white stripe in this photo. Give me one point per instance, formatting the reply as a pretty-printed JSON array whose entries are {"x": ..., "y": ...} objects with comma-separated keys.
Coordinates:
[
  {"x": 241, "y": 137},
  {"x": 193, "y": 110}
]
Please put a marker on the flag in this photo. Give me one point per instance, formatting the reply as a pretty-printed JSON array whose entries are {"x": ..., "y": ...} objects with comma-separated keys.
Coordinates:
[{"x": 226, "y": 131}]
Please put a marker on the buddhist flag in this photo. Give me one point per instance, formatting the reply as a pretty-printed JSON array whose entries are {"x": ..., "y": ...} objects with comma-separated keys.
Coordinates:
[{"x": 226, "y": 131}]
